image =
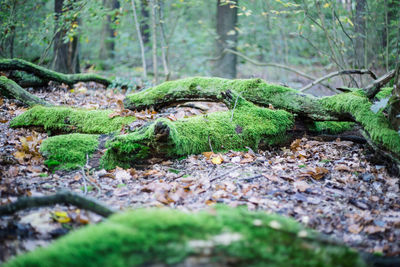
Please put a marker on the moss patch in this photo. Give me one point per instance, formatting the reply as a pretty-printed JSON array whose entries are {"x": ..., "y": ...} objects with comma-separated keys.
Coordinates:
[
  {"x": 146, "y": 237},
  {"x": 68, "y": 151},
  {"x": 66, "y": 120},
  {"x": 331, "y": 127},
  {"x": 384, "y": 93},
  {"x": 220, "y": 130},
  {"x": 376, "y": 125}
]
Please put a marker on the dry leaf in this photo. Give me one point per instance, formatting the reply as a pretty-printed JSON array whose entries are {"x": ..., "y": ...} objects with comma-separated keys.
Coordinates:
[
  {"x": 217, "y": 160},
  {"x": 355, "y": 228},
  {"x": 301, "y": 186}
]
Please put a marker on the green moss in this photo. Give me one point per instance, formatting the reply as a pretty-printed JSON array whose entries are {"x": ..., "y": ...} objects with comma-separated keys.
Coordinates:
[
  {"x": 65, "y": 120},
  {"x": 146, "y": 237},
  {"x": 384, "y": 93},
  {"x": 254, "y": 90},
  {"x": 376, "y": 125},
  {"x": 331, "y": 127},
  {"x": 68, "y": 151},
  {"x": 250, "y": 124}
]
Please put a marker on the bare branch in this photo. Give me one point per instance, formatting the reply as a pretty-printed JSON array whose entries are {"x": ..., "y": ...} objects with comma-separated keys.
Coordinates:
[
  {"x": 337, "y": 73},
  {"x": 372, "y": 89},
  {"x": 62, "y": 197}
]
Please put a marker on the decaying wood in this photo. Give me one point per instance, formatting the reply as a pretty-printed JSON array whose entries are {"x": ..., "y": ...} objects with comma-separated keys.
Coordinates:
[
  {"x": 49, "y": 75},
  {"x": 62, "y": 197},
  {"x": 338, "y": 73},
  {"x": 372, "y": 89},
  {"x": 11, "y": 89}
]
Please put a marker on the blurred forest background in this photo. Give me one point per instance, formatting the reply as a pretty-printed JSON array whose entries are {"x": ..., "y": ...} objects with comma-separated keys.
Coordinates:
[{"x": 152, "y": 41}]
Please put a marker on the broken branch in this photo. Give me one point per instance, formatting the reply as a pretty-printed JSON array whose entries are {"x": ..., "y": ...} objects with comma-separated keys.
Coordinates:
[
  {"x": 338, "y": 73},
  {"x": 62, "y": 197}
]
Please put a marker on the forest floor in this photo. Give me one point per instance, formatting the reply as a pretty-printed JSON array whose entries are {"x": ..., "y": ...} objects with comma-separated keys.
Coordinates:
[{"x": 328, "y": 186}]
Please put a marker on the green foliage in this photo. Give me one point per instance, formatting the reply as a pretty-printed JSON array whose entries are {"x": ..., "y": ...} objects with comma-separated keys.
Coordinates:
[
  {"x": 154, "y": 236},
  {"x": 68, "y": 151},
  {"x": 65, "y": 120},
  {"x": 331, "y": 127}
]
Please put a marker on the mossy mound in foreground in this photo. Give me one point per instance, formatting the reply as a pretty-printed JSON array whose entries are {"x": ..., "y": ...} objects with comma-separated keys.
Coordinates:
[
  {"x": 221, "y": 237},
  {"x": 68, "y": 151},
  {"x": 67, "y": 120}
]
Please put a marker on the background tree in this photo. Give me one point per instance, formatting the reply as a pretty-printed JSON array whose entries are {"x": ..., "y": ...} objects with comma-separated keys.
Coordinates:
[
  {"x": 109, "y": 32},
  {"x": 66, "y": 53},
  {"x": 227, "y": 36}
]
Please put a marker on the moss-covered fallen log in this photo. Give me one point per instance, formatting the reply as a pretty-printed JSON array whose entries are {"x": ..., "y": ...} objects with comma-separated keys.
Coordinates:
[
  {"x": 49, "y": 75},
  {"x": 25, "y": 79},
  {"x": 220, "y": 237},
  {"x": 256, "y": 91},
  {"x": 10, "y": 89},
  {"x": 354, "y": 106}
]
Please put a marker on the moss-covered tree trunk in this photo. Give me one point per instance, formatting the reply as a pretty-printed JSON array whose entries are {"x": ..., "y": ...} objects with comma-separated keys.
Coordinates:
[
  {"x": 47, "y": 75},
  {"x": 10, "y": 89}
]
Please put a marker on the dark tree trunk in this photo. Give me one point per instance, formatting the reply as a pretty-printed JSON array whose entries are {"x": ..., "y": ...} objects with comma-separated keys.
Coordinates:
[
  {"x": 66, "y": 58},
  {"x": 360, "y": 33},
  {"x": 227, "y": 18},
  {"x": 108, "y": 39},
  {"x": 144, "y": 23}
]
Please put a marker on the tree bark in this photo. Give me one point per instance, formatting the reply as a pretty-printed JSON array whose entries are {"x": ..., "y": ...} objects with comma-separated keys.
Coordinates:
[
  {"x": 227, "y": 19},
  {"x": 66, "y": 57},
  {"x": 140, "y": 38}
]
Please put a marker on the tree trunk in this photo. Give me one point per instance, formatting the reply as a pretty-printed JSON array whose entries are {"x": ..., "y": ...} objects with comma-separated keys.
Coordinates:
[
  {"x": 10, "y": 89},
  {"x": 108, "y": 35},
  {"x": 65, "y": 58},
  {"x": 227, "y": 19},
  {"x": 360, "y": 33}
]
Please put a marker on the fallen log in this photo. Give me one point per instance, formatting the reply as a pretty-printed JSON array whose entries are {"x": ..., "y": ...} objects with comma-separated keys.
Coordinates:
[
  {"x": 260, "y": 114},
  {"x": 49, "y": 75},
  {"x": 10, "y": 89}
]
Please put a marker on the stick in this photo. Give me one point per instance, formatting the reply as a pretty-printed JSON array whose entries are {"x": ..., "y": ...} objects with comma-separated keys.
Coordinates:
[
  {"x": 62, "y": 197},
  {"x": 337, "y": 73},
  {"x": 372, "y": 89}
]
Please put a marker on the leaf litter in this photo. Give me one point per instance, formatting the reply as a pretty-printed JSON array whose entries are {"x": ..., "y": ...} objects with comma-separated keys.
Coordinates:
[{"x": 328, "y": 186}]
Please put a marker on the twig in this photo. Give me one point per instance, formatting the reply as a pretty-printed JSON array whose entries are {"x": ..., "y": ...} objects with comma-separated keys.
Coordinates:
[
  {"x": 90, "y": 181},
  {"x": 84, "y": 182},
  {"x": 209, "y": 142},
  {"x": 337, "y": 73},
  {"x": 249, "y": 179},
  {"x": 234, "y": 106},
  {"x": 225, "y": 173},
  {"x": 62, "y": 197}
]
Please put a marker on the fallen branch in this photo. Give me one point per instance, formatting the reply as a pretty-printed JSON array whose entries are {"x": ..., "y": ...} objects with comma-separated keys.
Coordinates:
[
  {"x": 275, "y": 65},
  {"x": 49, "y": 75},
  {"x": 337, "y": 73},
  {"x": 11, "y": 89},
  {"x": 62, "y": 197},
  {"x": 372, "y": 89}
]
